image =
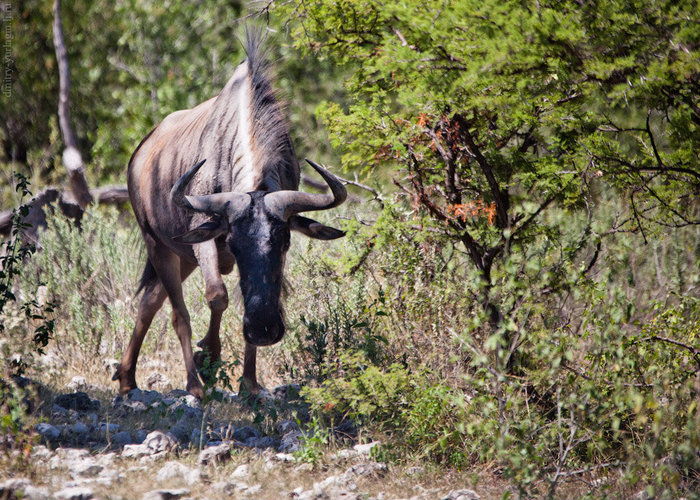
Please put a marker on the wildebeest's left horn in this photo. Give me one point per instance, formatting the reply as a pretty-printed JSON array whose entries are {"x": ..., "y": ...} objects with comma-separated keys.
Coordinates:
[
  {"x": 289, "y": 203},
  {"x": 210, "y": 203}
]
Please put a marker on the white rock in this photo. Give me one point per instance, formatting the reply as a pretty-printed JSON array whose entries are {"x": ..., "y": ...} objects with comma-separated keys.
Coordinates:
[
  {"x": 192, "y": 401},
  {"x": 285, "y": 457},
  {"x": 41, "y": 452},
  {"x": 463, "y": 494},
  {"x": 108, "y": 477},
  {"x": 107, "y": 459},
  {"x": 65, "y": 458},
  {"x": 157, "y": 457},
  {"x": 156, "y": 380},
  {"x": 22, "y": 488},
  {"x": 74, "y": 493},
  {"x": 252, "y": 490},
  {"x": 346, "y": 454},
  {"x": 365, "y": 449},
  {"x": 366, "y": 469},
  {"x": 85, "y": 468},
  {"x": 215, "y": 454},
  {"x": 346, "y": 479},
  {"x": 241, "y": 472},
  {"x": 110, "y": 364},
  {"x": 134, "y": 451},
  {"x": 77, "y": 383},
  {"x": 335, "y": 480},
  {"x": 158, "y": 442},
  {"x": 175, "y": 470}
]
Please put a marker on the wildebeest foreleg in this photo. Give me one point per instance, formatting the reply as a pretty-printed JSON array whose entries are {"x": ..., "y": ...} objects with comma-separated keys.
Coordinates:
[
  {"x": 217, "y": 299},
  {"x": 250, "y": 381}
]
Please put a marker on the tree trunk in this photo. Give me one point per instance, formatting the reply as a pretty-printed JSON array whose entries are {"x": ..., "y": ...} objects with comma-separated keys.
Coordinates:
[{"x": 72, "y": 159}]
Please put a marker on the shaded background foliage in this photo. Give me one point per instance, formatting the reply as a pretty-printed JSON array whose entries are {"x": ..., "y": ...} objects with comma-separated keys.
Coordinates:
[
  {"x": 131, "y": 63},
  {"x": 523, "y": 288}
]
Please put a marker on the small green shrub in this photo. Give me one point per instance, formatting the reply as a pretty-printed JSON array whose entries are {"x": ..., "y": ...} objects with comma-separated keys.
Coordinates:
[
  {"x": 316, "y": 440},
  {"x": 419, "y": 418}
]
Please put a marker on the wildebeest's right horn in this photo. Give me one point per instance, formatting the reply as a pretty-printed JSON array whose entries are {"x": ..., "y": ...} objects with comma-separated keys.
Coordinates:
[
  {"x": 210, "y": 203},
  {"x": 289, "y": 203}
]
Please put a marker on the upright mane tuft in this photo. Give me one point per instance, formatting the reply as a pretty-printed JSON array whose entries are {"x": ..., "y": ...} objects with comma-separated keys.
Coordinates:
[{"x": 272, "y": 148}]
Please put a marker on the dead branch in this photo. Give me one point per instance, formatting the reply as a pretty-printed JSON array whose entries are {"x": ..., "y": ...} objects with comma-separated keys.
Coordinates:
[
  {"x": 43, "y": 202},
  {"x": 110, "y": 195}
]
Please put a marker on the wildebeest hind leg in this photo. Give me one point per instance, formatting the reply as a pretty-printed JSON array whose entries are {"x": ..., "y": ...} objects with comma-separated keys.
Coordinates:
[
  {"x": 151, "y": 301},
  {"x": 167, "y": 265}
]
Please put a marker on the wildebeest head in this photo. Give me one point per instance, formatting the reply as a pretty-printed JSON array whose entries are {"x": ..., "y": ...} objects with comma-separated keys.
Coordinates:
[{"x": 257, "y": 227}]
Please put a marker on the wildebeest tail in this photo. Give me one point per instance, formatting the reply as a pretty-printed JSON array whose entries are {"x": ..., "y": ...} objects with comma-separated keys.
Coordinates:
[{"x": 148, "y": 276}]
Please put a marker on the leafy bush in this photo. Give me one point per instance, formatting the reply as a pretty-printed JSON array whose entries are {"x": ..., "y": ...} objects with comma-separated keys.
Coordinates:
[
  {"x": 419, "y": 418},
  {"x": 619, "y": 395},
  {"x": 573, "y": 409}
]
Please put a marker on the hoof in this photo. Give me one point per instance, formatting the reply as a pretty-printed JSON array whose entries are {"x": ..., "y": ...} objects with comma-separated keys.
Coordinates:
[
  {"x": 196, "y": 390},
  {"x": 249, "y": 390},
  {"x": 126, "y": 383}
]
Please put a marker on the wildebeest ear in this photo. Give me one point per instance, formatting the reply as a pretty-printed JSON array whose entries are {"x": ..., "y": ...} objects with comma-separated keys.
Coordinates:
[
  {"x": 314, "y": 229},
  {"x": 207, "y": 231}
]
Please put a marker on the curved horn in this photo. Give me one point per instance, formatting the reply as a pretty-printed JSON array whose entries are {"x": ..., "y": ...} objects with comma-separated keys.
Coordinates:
[
  {"x": 210, "y": 203},
  {"x": 288, "y": 203}
]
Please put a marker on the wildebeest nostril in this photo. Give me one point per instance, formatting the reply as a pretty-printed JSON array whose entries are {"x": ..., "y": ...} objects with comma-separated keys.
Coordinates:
[{"x": 262, "y": 331}]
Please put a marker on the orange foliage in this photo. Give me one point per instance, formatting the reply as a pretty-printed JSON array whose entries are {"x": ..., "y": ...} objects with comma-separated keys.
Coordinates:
[
  {"x": 422, "y": 120},
  {"x": 474, "y": 209}
]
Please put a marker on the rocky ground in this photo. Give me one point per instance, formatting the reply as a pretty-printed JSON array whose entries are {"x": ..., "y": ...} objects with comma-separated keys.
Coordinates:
[{"x": 153, "y": 445}]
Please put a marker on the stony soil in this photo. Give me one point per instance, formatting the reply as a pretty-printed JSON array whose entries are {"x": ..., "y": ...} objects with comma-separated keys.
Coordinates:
[{"x": 153, "y": 445}]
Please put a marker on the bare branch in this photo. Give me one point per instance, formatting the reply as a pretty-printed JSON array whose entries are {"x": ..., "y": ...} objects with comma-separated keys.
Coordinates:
[
  {"x": 501, "y": 203},
  {"x": 398, "y": 33},
  {"x": 695, "y": 352},
  {"x": 110, "y": 195},
  {"x": 653, "y": 143},
  {"x": 374, "y": 192}
]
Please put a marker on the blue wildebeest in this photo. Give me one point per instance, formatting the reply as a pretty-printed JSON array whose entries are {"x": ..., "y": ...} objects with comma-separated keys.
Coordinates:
[{"x": 236, "y": 205}]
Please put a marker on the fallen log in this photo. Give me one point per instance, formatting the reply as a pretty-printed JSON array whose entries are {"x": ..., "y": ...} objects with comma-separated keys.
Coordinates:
[{"x": 64, "y": 200}]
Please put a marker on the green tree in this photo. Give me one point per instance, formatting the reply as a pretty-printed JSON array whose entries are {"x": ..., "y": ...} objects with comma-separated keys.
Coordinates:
[{"x": 496, "y": 114}]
